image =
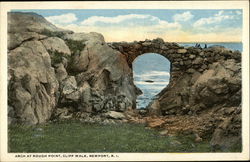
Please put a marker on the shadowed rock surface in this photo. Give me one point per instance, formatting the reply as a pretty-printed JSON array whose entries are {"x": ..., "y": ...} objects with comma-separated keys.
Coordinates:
[{"x": 55, "y": 74}]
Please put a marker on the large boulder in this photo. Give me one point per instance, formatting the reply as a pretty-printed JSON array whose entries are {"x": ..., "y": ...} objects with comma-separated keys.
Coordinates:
[
  {"x": 19, "y": 22},
  {"x": 55, "y": 44},
  {"x": 32, "y": 83},
  {"x": 216, "y": 85},
  {"x": 227, "y": 134},
  {"x": 24, "y": 26},
  {"x": 105, "y": 70}
]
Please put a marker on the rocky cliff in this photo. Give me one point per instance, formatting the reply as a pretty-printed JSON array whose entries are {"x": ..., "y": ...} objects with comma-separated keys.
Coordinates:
[
  {"x": 58, "y": 74},
  {"x": 52, "y": 71}
]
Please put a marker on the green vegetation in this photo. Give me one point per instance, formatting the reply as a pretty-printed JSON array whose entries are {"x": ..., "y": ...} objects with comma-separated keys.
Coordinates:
[
  {"x": 74, "y": 45},
  {"x": 78, "y": 137},
  {"x": 56, "y": 57}
]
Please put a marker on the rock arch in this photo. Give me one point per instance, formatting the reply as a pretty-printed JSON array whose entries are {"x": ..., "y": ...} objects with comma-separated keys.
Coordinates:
[
  {"x": 179, "y": 57},
  {"x": 168, "y": 50}
]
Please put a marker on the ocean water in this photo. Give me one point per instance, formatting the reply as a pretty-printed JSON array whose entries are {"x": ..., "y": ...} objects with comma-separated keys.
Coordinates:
[
  {"x": 232, "y": 46},
  {"x": 151, "y": 72},
  {"x": 154, "y": 68}
]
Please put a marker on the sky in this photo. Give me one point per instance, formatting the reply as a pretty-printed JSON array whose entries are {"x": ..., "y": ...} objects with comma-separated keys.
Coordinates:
[{"x": 172, "y": 25}]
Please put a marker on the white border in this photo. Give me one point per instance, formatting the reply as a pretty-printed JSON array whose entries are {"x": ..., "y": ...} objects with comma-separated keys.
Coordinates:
[{"x": 244, "y": 5}]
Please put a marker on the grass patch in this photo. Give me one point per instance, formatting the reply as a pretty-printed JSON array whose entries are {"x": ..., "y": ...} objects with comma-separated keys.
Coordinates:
[{"x": 74, "y": 136}]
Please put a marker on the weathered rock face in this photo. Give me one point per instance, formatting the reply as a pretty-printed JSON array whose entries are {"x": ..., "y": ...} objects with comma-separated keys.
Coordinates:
[
  {"x": 29, "y": 26},
  {"x": 32, "y": 83},
  {"x": 103, "y": 78},
  {"x": 227, "y": 133},
  {"x": 51, "y": 69}
]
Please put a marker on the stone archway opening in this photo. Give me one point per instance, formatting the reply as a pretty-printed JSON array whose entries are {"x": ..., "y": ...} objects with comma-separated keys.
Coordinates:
[{"x": 151, "y": 73}]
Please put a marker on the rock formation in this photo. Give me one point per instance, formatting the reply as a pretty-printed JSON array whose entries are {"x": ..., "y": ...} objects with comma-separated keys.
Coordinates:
[
  {"x": 205, "y": 83},
  {"x": 56, "y": 73},
  {"x": 51, "y": 68}
]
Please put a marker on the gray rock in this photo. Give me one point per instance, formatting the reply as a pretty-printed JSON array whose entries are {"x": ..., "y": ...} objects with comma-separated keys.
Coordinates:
[
  {"x": 154, "y": 108},
  {"x": 204, "y": 66},
  {"x": 227, "y": 134},
  {"x": 56, "y": 44},
  {"x": 192, "y": 56},
  {"x": 84, "y": 37},
  {"x": 29, "y": 22},
  {"x": 61, "y": 72},
  {"x": 69, "y": 85},
  {"x": 16, "y": 39},
  {"x": 198, "y": 60},
  {"x": 81, "y": 62},
  {"x": 69, "y": 90},
  {"x": 191, "y": 70},
  {"x": 146, "y": 44},
  {"x": 115, "y": 115},
  {"x": 164, "y": 132},
  {"x": 182, "y": 51},
  {"x": 85, "y": 90},
  {"x": 35, "y": 85}
]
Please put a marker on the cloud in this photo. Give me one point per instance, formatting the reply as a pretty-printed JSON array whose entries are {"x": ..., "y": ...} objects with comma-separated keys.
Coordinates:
[
  {"x": 185, "y": 16},
  {"x": 125, "y": 27},
  {"x": 130, "y": 20},
  {"x": 95, "y": 20},
  {"x": 138, "y": 27},
  {"x": 217, "y": 18},
  {"x": 62, "y": 19}
]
